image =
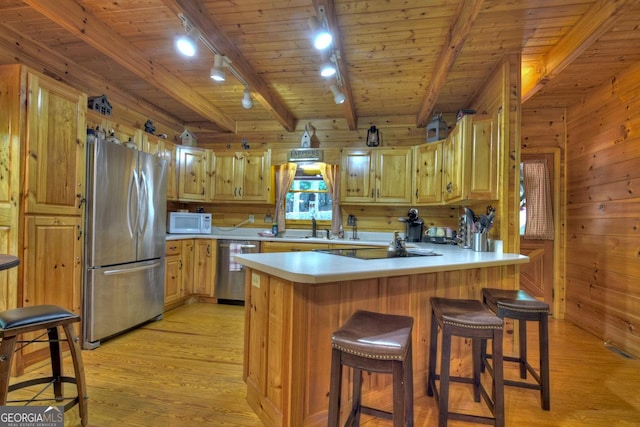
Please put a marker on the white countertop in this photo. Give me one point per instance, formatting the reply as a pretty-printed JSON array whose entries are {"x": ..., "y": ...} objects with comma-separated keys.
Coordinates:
[{"x": 317, "y": 267}]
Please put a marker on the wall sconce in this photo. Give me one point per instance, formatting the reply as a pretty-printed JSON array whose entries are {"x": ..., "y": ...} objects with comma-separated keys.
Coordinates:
[
  {"x": 373, "y": 137},
  {"x": 338, "y": 96},
  {"x": 187, "y": 44},
  {"x": 320, "y": 34},
  {"x": 247, "y": 102}
]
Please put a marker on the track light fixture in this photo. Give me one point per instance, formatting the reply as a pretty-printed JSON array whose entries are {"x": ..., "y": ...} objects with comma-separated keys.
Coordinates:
[
  {"x": 320, "y": 34},
  {"x": 328, "y": 69},
  {"x": 217, "y": 71},
  {"x": 247, "y": 102},
  {"x": 187, "y": 44},
  {"x": 338, "y": 96}
]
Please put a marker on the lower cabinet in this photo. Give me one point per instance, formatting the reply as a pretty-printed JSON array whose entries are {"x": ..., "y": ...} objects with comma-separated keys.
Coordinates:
[
  {"x": 204, "y": 273},
  {"x": 190, "y": 266}
]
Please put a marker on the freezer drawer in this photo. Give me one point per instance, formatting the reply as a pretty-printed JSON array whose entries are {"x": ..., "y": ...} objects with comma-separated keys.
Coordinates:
[
  {"x": 121, "y": 297},
  {"x": 230, "y": 276}
]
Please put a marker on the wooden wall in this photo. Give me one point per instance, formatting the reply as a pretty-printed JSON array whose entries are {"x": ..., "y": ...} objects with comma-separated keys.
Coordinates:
[{"x": 603, "y": 205}]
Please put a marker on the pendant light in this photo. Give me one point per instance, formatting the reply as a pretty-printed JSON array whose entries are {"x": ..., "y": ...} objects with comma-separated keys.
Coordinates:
[{"x": 247, "y": 102}]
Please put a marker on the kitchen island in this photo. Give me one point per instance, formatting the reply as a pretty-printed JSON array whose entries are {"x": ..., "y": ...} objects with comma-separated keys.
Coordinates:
[{"x": 294, "y": 300}]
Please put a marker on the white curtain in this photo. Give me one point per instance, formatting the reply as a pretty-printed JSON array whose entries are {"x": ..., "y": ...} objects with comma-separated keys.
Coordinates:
[
  {"x": 284, "y": 178},
  {"x": 537, "y": 190},
  {"x": 331, "y": 177}
]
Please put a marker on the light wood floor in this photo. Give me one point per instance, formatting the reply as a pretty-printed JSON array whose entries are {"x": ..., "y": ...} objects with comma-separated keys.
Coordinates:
[{"x": 186, "y": 370}]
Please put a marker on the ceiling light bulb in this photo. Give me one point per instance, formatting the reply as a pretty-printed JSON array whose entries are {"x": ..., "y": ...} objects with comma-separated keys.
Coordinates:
[
  {"x": 247, "y": 102},
  {"x": 338, "y": 96},
  {"x": 327, "y": 69},
  {"x": 321, "y": 36},
  {"x": 187, "y": 43},
  {"x": 217, "y": 71}
]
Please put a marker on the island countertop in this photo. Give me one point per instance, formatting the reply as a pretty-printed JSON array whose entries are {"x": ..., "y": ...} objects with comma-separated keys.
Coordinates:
[{"x": 316, "y": 267}]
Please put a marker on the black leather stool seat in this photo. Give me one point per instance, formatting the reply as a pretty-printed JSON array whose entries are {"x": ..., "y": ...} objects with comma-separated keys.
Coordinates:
[
  {"x": 470, "y": 319},
  {"x": 18, "y": 321},
  {"x": 373, "y": 342},
  {"x": 519, "y": 305}
]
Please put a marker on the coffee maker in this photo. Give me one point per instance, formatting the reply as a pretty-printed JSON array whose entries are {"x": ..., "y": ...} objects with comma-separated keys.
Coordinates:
[{"x": 414, "y": 226}]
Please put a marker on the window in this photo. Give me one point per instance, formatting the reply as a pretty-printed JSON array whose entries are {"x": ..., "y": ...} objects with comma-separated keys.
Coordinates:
[{"x": 308, "y": 196}]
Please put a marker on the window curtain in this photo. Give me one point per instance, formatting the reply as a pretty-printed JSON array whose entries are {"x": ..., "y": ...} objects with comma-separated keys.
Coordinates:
[
  {"x": 284, "y": 178},
  {"x": 539, "y": 211},
  {"x": 331, "y": 177}
]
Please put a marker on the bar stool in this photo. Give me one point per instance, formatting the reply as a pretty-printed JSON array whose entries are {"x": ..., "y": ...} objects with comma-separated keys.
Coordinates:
[
  {"x": 519, "y": 305},
  {"x": 43, "y": 317},
  {"x": 468, "y": 319},
  {"x": 373, "y": 342}
]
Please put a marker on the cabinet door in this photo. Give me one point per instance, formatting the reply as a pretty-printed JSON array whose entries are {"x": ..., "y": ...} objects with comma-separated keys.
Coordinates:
[
  {"x": 170, "y": 154},
  {"x": 393, "y": 175},
  {"x": 452, "y": 164},
  {"x": 172, "y": 279},
  {"x": 187, "y": 268},
  {"x": 205, "y": 266},
  {"x": 483, "y": 167},
  {"x": 193, "y": 174},
  {"x": 152, "y": 144},
  {"x": 52, "y": 261},
  {"x": 256, "y": 180},
  {"x": 356, "y": 183},
  {"x": 55, "y": 148},
  {"x": 428, "y": 173},
  {"x": 227, "y": 167}
]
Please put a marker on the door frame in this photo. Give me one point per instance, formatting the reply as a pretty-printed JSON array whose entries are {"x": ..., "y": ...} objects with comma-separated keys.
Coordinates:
[{"x": 558, "y": 276}]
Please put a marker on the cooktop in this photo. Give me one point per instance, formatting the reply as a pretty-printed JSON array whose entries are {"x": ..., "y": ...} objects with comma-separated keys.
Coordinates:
[{"x": 375, "y": 253}]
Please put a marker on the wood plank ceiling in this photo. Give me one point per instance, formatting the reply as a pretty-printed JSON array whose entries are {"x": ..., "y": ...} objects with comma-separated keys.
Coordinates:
[{"x": 398, "y": 58}]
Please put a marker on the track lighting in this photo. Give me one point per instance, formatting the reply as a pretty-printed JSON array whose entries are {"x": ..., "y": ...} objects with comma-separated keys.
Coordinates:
[
  {"x": 320, "y": 34},
  {"x": 217, "y": 71},
  {"x": 338, "y": 96},
  {"x": 327, "y": 69},
  {"x": 187, "y": 43},
  {"x": 247, "y": 102}
]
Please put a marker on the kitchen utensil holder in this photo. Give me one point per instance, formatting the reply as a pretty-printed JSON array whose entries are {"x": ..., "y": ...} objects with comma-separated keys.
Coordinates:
[{"x": 480, "y": 242}]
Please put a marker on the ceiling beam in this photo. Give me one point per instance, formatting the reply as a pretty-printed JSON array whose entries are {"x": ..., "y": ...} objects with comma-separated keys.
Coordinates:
[
  {"x": 78, "y": 21},
  {"x": 218, "y": 39},
  {"x": 597, "y": 21},
  {"x": 467, "y": 13},
  {"x": 332, "y": 22},
  {"x": 29, "y": 52}
]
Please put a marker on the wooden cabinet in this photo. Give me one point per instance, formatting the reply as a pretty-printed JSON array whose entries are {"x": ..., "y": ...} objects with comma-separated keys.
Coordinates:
[
  {"x": 204, "y": 266},
  {"x": 470, "y": 160},
  {"x": 152, "y": 144},
  {"x": 178, "y": 272},
  {"x": 170, "y": 154},
  {"x": 379, "y": 175},
  {"x": 193, "y": 174},
  {"x": 241, "y": 176},
  {"x": 427, "y": 166}
]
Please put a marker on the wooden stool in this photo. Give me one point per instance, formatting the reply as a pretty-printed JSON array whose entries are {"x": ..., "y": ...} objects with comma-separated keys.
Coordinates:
[
  {"x": 469, "y": 319},
  {"x": 28, "y": 319},
  {"x": 373, "y": 342},
  {"x": 519, "y": 305}
]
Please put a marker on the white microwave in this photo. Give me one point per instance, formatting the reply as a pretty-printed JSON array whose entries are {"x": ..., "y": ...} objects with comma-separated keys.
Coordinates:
[{"x": 189, "y": 223}]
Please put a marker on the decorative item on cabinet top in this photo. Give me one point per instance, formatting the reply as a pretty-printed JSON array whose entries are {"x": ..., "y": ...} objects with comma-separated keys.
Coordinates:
[
  {"x": 187, "y": 138},
  {"x": 100, "y": 104},
  {"x": 437, "y": 129}
]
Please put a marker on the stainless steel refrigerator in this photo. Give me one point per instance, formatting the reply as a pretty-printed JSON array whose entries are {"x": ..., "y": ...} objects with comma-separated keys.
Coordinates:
[{"x": 124, "y": 240}]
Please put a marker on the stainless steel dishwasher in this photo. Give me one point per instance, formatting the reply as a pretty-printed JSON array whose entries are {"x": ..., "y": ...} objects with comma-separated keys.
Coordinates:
[{"x": 230, "y": 275}]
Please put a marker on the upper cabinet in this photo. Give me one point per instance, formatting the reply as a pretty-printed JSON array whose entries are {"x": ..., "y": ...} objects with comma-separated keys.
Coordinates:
[
  {"x": 376, "y": 175},
  {"x": 170, "y": 154},
  {"x": 470, "y": 160},
  {"x": 55, "y": 148},
  {"x": 241, "y": 176},
  {"x": 427, "y": 167},
  {"x": 193, "y": 174}
]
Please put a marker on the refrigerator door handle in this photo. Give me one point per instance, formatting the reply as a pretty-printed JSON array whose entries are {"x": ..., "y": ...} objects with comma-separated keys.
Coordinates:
[
  {"x": 131, "y": 270},
  {"x": 143, "y": 204},
  {"x": 132, "y": 223}
]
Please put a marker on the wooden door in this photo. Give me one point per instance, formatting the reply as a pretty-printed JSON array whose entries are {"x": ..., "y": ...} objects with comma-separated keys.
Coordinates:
[
  {"x": 170, "y": 154},
  {"x": 393, "y": 175},
  {"x": 452, "y": 163},
  {"x": 484, "y": 140},
  {"x": 356, "y": 183},
  {"x": 428, "y": 173},
  {"x": 255, "y": 176},
  {"x": 537, "y": 277},
  {"x": 224, "y": 176},
  {"x": 204, "y": 266},
  {"x": 193, "y": 174},
  {"x": 187, "y": 267},
  {"x": 55, "y": 148},
  {"x": 172, "y": 272}
]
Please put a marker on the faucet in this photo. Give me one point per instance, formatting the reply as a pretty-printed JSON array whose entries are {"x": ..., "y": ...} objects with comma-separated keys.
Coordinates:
[
  {"x": 314, "y": 230},
  {"x": 328, "y": 234}
]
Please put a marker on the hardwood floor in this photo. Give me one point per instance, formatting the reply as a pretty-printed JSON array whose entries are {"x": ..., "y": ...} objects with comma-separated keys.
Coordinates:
[{"x": 186, "y": 370}]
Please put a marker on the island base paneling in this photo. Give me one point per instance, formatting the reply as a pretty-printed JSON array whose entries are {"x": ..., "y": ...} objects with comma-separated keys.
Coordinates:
[{"x": 288, "y": 337}]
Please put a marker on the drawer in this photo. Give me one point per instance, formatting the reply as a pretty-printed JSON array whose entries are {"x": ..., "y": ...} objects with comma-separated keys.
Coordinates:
[{"x": 173, "y": 247}]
